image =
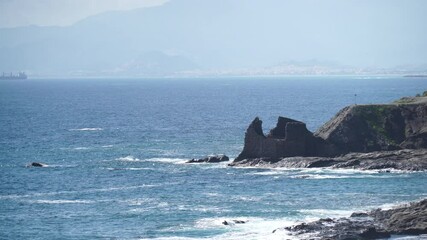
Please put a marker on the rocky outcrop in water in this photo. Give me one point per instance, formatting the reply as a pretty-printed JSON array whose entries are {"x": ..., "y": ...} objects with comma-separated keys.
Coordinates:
[
  {"x": 380, "y": 130},
  {"x": 410, "y": 219},
  {"x": 36, "y": 164},
  {"x": 210, "y": 159}
]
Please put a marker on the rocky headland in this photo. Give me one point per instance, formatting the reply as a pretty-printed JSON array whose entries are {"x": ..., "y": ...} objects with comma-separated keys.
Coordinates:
[
  {"x": 410, "y": 219},
  {"x": 380, "y": 136}
]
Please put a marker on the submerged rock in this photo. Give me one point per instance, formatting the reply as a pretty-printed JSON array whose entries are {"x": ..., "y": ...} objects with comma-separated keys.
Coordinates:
[
  {"x": 232, "y": 222},
  {"x": 210, "y": 159},
  {"x": 409, "y": 219}
]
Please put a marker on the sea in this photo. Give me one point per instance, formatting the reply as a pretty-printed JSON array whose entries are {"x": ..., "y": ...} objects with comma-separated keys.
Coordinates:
[{"x": 115, "y": 151}]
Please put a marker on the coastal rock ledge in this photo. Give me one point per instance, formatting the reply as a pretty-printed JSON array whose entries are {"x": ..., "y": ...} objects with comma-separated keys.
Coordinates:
[
  {"x": 378, "y": 136},
  {"x": 408, "y": 219}
]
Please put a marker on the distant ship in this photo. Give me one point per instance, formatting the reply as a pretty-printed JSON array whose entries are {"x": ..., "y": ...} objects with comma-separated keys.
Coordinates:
[{"x": 11, "y": 76}]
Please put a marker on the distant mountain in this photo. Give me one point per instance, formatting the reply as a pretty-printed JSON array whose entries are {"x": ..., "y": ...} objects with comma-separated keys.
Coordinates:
[{"x": 200, "y": 37}]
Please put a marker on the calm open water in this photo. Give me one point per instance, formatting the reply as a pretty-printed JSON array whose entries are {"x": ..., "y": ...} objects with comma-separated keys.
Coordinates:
[{"x": 115, "y": 150}]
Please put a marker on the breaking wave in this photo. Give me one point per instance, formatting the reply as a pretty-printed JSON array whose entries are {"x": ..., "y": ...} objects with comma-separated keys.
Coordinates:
[{"x": 86, "y": 129}]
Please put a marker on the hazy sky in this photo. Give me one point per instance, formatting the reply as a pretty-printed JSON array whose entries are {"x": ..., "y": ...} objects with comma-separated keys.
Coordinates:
[
  {"x": 15, "y": 13},
  {"x": 210, "y": 34}
]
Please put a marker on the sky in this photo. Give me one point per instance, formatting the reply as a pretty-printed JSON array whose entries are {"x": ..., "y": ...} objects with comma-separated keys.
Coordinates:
[
  {"x": 167, "y": 36},
  {"x": 16, "y": 13}
]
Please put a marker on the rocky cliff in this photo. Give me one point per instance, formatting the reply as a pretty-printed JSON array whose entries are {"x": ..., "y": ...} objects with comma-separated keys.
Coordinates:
[
  {"x": 357, "y": 128},
  {"x": 367, "y": 128},
  {"x": 289, "y": 138}
]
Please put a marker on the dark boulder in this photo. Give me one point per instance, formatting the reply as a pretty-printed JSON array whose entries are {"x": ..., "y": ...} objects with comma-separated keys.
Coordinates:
[
  {"x": 36, "y": 164},
  {"x": 210, "y": 159}
]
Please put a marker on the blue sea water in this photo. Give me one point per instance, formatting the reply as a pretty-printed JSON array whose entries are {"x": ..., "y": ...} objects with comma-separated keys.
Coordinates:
[{"x": 115, "y": 150}]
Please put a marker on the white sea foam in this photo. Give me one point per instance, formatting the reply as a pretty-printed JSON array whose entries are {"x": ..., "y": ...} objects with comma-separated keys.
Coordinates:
[
  {"x": 62, "y": 201},
  {"x": 268, "y": 173},
  {"x": 61, "y": 166},
  {"x": 253, "y": 228},
  {"x": 399, "y": 237},
  {"x": 213, "y": 194},
  {"x": 258, "y": 228},
  {"x": 139, "y": 201},
  {"x": 86, "y": 129},
  {"x": 321, "y": 213},
  {"x": 202, "y": 208},
  {"x": 247, "y": 198},
  {"x": 107, "y": 146},
  {"x": 338, "y": 171},
  {"x": 167, "y": 160},
  {"x": 130, "y": 169},
  {"x": 128, "y": 159},
  {"x": 81, "y": 148},
  {"x": 315, "y": 176},
  {"x": 17, "y": 196}
]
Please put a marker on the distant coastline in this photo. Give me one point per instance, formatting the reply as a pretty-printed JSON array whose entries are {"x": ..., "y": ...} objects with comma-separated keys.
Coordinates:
[
  {"x": 11, "y": 76},
  {"x": 416, "y": 76}
]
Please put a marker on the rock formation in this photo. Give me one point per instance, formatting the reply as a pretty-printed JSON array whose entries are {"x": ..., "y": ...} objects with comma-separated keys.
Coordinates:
[
  {"x": 210, "y": 159},
  {"x": 405, "y": 159},
  {"x": 409, "y": 219},
  {"x": 354, "y": 129},
  {"x": 36, "y": 164},
  {"x": 367, "y": 128},
  {"x": 289, "y": 138}
]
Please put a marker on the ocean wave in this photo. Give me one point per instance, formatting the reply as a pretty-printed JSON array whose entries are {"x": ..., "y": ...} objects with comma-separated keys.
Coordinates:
[
  {"x": 139, "y": 201},
  {"x": 397, "y": 237},
  {"x": 202, "y": 208},
  {"x": 61, "y": 201},
  {"x": 282, "y": 170},
  {"x": 81, "y": 148},
  {"x": 61, "y": 166},
  {"x": 338, "y": 176},
  {"x": 269, "y": 173},
  {"x": 129, "y": 159},
  {"x": 338, "y": 171},
  {"x": 247, "y": 198},
  {"x": 86, "y": 129},
  {"x": 17, "y": 196},
  {"x": 167, "y": 160},
  {"x": 316, "y": 176},
  {"x": 130, "y": 169},
  {"x": 320, "y": 213},
  {"x": 253, "y": 228}
]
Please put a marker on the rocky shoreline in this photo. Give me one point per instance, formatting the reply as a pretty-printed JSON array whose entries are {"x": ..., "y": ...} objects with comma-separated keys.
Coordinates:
[
  {"x": 410, "y": 219},
  {"x": 405, "y": 159}
]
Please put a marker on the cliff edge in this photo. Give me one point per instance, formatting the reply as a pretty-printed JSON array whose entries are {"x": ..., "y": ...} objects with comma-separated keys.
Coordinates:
[{"x": 354, "y": 129}]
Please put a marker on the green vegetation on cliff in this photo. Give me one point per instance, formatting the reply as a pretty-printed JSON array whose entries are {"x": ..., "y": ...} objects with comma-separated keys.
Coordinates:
[{"x": 376, "y": 117}]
